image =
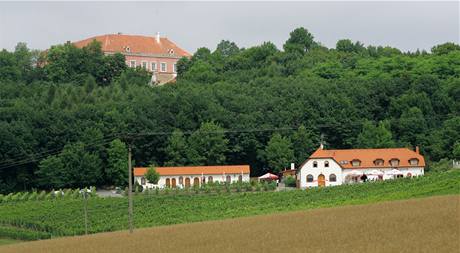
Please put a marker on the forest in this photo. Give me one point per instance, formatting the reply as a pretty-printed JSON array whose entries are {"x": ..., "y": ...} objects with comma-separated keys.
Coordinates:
[{"x": 68, "y": 115}]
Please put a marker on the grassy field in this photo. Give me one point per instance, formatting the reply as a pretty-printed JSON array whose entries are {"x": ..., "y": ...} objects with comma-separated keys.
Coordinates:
[
  {"x": 5, "y": 241},
  {"x": 43, "y": 219},
  {"x": 417, "y": 225}
]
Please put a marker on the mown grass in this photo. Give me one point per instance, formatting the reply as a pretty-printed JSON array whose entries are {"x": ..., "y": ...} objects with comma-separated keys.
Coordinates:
[
  {"x": 416, "y": 225},
  {"x": 65, "y": 217}
]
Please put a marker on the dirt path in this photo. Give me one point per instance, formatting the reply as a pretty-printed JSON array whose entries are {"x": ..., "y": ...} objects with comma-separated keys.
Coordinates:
[{"x": 417, "y": 225}]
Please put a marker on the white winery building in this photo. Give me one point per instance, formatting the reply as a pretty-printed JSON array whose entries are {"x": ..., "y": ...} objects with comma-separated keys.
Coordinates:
[{"x": 338, "y": 166}]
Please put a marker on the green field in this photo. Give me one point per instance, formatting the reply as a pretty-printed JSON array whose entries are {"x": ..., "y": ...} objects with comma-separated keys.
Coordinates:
[
  {"x": 5, "y": 241},
  {"x": 50, "y": 218}
]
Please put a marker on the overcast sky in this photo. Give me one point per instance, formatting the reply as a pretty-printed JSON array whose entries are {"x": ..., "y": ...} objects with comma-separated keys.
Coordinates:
[{"x": 405, "y": 25}]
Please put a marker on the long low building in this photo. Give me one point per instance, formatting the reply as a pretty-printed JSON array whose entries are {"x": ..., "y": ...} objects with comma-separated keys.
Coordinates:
[
  {"x": 338, "y": 166},
  {"x": 171, "y": 177}
]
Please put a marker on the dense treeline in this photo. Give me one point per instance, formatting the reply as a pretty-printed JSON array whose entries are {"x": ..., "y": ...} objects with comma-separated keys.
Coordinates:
[{"x": 67, "y": 114}]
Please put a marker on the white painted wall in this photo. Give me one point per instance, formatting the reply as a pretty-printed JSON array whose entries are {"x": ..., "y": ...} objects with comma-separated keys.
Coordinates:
[
  {"x": 216, "y": 178},
  {"x": 334, "y": 168}
]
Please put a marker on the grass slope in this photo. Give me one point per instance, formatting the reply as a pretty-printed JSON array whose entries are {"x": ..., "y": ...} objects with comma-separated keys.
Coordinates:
[
  {"x": 417, "y": 225},
  {"x": 65, "y": 217}
]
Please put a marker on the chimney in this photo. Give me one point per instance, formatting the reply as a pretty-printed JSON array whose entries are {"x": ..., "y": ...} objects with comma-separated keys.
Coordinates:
[
  {"x": 321, "y": 146},
  {"x": 417, "y": 150},
  {"x": 292, "y": 166},
  {"x": 158, "y": 37}
]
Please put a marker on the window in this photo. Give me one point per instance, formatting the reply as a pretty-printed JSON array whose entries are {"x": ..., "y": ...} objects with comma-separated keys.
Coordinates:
[
  {"x": 171, "y": 51},
  {"x": 355, "y": 163},
  {"x": 153, "y": 66},
  {"x": 168, "y": 182},
  {"x": 343, "y": 162},
  {"x": 163, "y": 67},
  {"x": 409, "y": 174},
  {"x": 142, "y": 180},
  {"x": 144, "y": 64},
  {"x": 128, "y": 49},
  {"x": 309, "y": 178},
  {"x": 413, "y": 161},
  {"x": 174, "y": 68},
  {"x": 240, "y": 178},
  {"x": 394, "y": 162},
  {"x": 326, "y": 164},
  {"x": 228, "y": 179},
  {"x": 378, "y": 162},
  {"x": 210, "y": 179},
  {"x": 315, "y": 164},
  {"x": 132, "y": 64},
  {"x": 332, "y": 178},
  {"x": 181, "y": 180}
]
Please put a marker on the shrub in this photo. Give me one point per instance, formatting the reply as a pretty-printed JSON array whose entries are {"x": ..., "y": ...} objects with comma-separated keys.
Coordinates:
[{"x": 290, "y": 181}]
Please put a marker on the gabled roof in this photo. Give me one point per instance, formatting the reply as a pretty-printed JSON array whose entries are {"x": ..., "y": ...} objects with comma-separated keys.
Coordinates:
[
  {"x": 367, "y": 157},
  {"x": 137, "y": 44},
  {"x": 196, "y": 170}
]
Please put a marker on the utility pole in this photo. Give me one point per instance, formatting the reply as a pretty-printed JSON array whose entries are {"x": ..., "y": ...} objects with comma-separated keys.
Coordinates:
[{"x": 130, "y": 192}]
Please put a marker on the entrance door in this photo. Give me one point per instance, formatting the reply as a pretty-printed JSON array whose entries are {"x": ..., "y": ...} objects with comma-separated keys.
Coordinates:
[
  {"x": 321, "y": 180},
  {"x": 173, "y": 183},
  {"x": 196, "y": 181},
  {"x": 187, "y": 182}
]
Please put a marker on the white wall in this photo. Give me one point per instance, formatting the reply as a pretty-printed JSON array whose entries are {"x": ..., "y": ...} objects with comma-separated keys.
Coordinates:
[
  {"x": 308, "y": 168},
  {"x": 216, "y": 178}
]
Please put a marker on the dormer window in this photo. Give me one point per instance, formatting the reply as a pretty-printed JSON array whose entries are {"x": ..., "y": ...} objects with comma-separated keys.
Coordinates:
[
  {"x": 413, "y": 161},
  {"x": 378, "y": 162},
  {"x": 127, "y": 49},
  {"x": 394, "y": 162},
  {"x": 355, "y": 162},
  {"x": 315, "y": 164}
]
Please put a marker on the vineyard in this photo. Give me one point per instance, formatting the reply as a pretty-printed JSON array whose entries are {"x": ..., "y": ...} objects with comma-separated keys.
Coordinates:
[{"x": 40, "y": 219}]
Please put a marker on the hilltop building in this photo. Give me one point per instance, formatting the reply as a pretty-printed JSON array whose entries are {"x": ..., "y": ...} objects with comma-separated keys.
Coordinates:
[
  {"x": 335, "y": 167},
  {"x": 172, "y": 177},
  {"x": 158, "y": 55}
]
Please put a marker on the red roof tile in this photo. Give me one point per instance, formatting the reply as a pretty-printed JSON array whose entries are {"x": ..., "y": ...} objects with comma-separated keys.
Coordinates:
[
  {"x": 196, "y": 170},
  {"x": 368, "y": 156},
  {"x": 137, "y": 44}
]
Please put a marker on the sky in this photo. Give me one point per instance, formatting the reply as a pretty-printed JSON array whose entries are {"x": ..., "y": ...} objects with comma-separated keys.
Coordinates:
[{"x": 406, "y": 25}]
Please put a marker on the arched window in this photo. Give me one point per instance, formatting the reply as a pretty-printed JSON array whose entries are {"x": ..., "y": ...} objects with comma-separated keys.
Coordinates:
[
  {"x": 173, "y": 183},
  {"x": 309, "y": 178},
  {"x": 240, "y": 178},
  {"x": 168, "y": 182},
  {"x": 142, "y": 180},
  {"x": 332, "y": 178},
  {"x": 196, "y": 181},
  {"x": 315, "y": 164},
  {"x": 210, "y": 179},
  {"x": 409, "y": 174},
  {"x": 228, "y": 179},
  {"x": 326, "y": 164},
  {"x": 181, "y": 180}
]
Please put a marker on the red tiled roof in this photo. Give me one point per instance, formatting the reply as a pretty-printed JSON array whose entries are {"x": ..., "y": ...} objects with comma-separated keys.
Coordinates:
[
  {"x": 136, "y": 44},
  {"x": 196, "y": 170},
  {"x": 368, "y": 156}
]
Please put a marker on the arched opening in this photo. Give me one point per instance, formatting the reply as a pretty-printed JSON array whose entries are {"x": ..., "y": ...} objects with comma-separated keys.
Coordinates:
[
  {"x": 332, "y": 178},
  {"x": 142, "y": 180},
  {"x": 228, "y": 179},
  {"x": 326, "y": 164},
  {"x": 309, "y": 178},
  {"x": 173, "y": 183},
  {"x": 187, "y": 182},
  {"x": 409, "y": 174},
  {"x": 240, "y": 178},
  {"x": 210, "y": 179},
  {"x": 168, "y": 182},
  {"x": 321, "y": 180},
  {"x": 181, "y": 180},
  {"x": 196, "y": 181}
]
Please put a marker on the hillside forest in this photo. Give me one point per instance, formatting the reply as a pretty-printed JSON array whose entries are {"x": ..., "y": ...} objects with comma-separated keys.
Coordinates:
[{"x": 68, "y": 115}]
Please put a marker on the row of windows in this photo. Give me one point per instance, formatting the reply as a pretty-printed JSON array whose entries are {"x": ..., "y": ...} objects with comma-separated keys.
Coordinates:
[
  {"x": 378, "y": 162},
  {"x": 332, "y": 178},
  {"x": 196, "y": 181},
  {"x": 153, "y": 66}
]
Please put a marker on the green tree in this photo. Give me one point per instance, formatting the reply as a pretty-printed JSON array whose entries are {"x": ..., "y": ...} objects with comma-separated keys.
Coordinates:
[
  {"x": 52, "y": 174},
  {"x": 278, "y": 153},
  {"x": 304, "y": 143},
  {"x": 375, "y": 136},
  {"x": 445, "y": 48},
  {"x": 300, "y": 41},
  {"x": 456, "y": 151},
  {"x": 208, "y": 145},
  {"x": 83, "y": 167},
  {"x": 176, "y": 151},
  {"x": 412, "y": 126},
  {"x": 226, "y": 49},
  {"x": 116, "y": 171},
  {"x": 152, "y": 175}
]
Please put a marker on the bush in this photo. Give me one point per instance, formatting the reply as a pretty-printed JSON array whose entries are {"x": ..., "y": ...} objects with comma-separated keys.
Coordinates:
[{"x": 290, "y": 181}]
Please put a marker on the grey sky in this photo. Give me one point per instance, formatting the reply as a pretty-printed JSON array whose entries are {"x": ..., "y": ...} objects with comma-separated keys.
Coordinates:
[{"x": 405, "y": 25}]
